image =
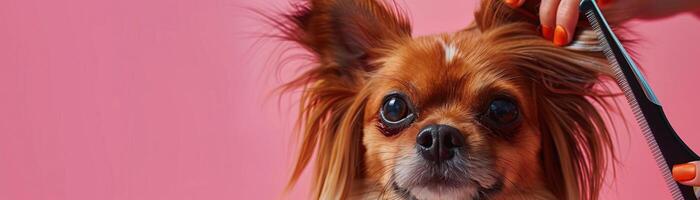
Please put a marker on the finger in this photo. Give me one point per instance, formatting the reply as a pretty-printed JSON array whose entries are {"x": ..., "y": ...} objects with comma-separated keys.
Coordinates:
[
  {"x": 514, "y": 3},
  {"x": 567, "y": 17},
  {"x": 687, "y": 174},
  {"x": 548, "y": 16}
]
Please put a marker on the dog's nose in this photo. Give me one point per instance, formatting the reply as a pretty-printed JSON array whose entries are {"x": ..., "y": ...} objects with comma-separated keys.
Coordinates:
[{"x": 439, "y": 142}]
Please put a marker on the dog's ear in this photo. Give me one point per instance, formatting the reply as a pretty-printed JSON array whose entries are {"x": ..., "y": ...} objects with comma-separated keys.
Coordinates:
[
  {"x": 344, "y": 37},
  {"x": 495, "y": 13},
  {"x": 346, "y": 33}
]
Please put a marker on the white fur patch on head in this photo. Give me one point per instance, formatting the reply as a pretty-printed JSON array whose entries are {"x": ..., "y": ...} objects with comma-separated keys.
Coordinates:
[{"x": 450, "y": 51}]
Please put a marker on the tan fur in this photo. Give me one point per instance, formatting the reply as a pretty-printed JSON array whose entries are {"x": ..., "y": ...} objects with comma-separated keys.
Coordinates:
[{"x": 364, "y": 50}]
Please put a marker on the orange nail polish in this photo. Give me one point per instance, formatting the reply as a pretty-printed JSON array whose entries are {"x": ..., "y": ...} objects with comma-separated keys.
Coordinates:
[
  {"x": 683, "y": 172},
  {"x": 561, "y": 38},
  {"x": 547, "y": 32},
  {"x": 512, "y": 3}
]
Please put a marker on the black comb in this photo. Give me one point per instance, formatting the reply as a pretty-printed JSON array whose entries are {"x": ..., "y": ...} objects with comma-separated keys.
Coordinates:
[{"x": 667, "y": 148}]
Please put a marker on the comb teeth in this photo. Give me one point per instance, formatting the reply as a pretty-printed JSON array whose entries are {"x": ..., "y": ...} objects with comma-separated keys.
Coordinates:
[{"x": 636, "y": 110}]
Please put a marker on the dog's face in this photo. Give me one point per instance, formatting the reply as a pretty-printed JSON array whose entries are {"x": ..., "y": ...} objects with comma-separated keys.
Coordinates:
[
  {"x": 444, "y": 121},
  {"x": 493, "y": 111}
]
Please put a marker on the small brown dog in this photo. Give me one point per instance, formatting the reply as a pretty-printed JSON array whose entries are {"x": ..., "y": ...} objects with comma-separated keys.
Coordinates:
[{"x": 490, "y": 112}]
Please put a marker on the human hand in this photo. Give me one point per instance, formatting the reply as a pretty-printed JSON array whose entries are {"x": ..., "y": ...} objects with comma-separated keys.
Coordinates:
[{"x": 558, "y": 18}]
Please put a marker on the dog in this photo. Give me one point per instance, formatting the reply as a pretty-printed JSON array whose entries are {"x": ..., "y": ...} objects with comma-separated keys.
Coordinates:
[{"x": 492, "y": 111}]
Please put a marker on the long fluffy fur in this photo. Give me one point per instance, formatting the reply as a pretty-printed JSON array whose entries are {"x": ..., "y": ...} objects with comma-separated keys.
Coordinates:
[
  {"x": 577, "y": 147},
  {"x": 330, "y": 112}
]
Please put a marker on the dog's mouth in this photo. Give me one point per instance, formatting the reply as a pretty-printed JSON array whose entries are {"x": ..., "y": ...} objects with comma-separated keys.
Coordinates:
[
  {"x": 462, "y": 177},
  {"x": 438, "y": 184}
]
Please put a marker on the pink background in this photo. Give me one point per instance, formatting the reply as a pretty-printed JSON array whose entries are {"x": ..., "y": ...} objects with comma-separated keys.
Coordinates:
[{"x": 168, "y": 99}]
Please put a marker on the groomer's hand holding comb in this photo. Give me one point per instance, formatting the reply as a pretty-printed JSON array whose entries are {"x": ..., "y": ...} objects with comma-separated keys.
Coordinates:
[
  {"x": 687, "y": 174},
  {"x": 558, "y": 18}
]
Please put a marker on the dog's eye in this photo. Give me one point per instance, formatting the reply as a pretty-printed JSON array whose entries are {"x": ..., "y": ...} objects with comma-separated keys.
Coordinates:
[
  {"x": 502, "y": 112},
  {"x": 396, "y": 114},
  {"x": 395, "y": 109}
]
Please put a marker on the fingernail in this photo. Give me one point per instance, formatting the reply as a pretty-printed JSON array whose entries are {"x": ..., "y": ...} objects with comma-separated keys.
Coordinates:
[
  {"x": 560, "y": 36},
  {"x": 603, "y": 3},
  {"x": 547, "y": 32},
  {"x": 684, "y": 172},
  {"x": 512, "y": 3}
]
